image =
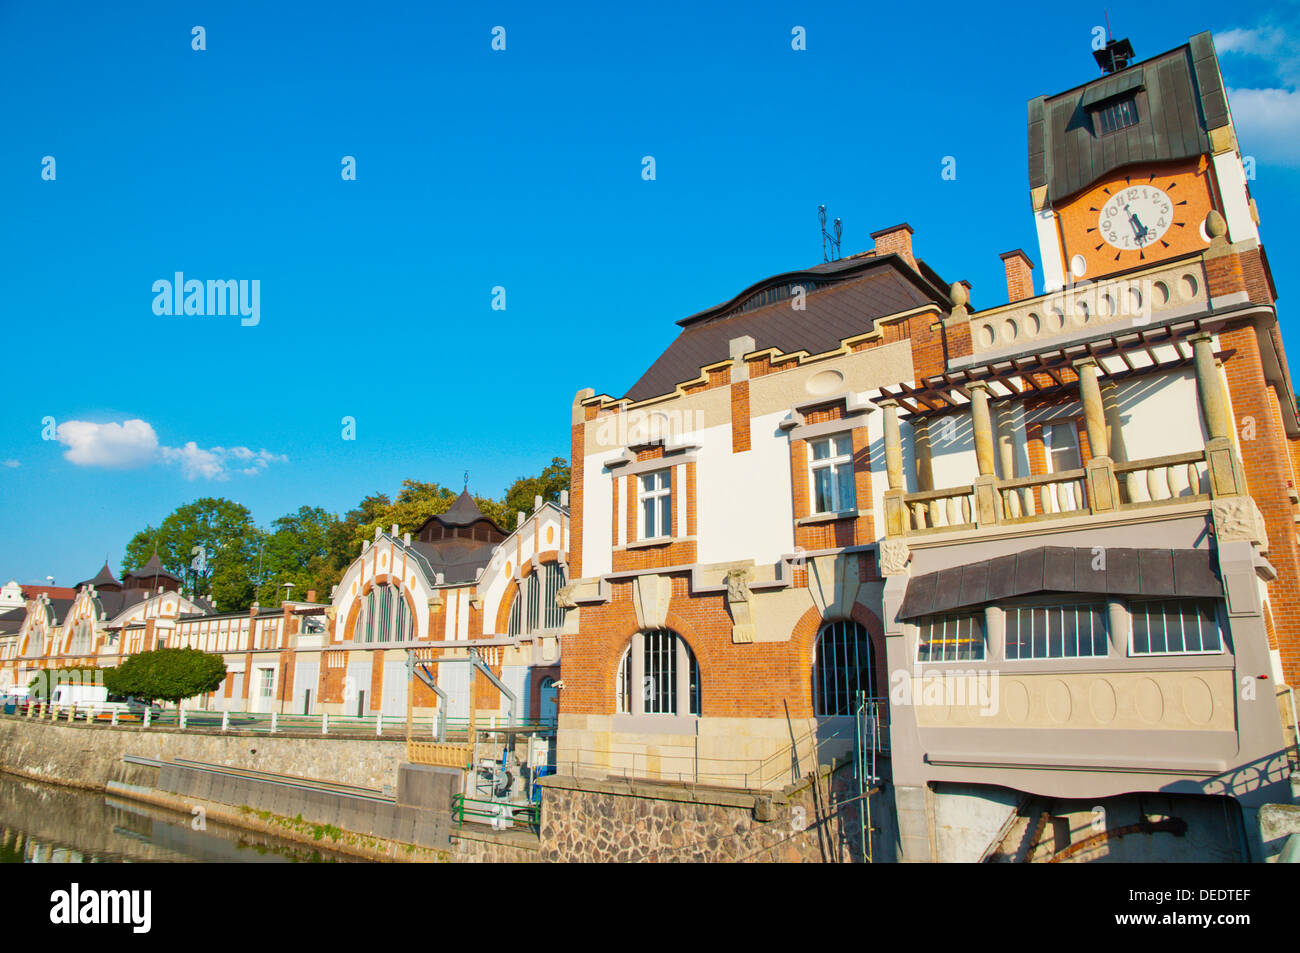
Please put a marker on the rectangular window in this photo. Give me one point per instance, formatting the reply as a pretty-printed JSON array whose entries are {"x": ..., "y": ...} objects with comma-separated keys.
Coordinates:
[
  {"x": 1116, "y": 115},
  {"x": 951, "y": 638},
  {"x": 655, "y": 499},
  {"x": 1183, "y": 627},
  {"x": 831, "y": 469},
  {"x": 1035, "y": 632},
  {"x": 1062, "y": 440},
  {"x": 268, "y": 682}
]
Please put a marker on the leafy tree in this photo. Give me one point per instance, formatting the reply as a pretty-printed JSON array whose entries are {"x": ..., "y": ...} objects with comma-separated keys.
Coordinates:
[
  {"x": 167, "y": 675},
  {"x": 298, "y": 551},
  {"x": 229, "y": 539},
  {"x": 547, "y": 485}
]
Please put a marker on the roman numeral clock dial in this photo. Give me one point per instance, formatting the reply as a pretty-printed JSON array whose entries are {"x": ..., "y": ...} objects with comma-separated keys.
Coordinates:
[{"x": 1135, "y": 217}]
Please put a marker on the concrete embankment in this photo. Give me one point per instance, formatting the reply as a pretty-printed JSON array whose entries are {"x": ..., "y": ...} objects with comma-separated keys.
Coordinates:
[
  {"x": 343, "y": 794},
  {"x": 90, "y": 757}
]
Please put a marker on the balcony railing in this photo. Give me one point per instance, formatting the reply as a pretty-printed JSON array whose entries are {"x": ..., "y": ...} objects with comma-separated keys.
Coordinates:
[{"x": 1179, "y": 477}]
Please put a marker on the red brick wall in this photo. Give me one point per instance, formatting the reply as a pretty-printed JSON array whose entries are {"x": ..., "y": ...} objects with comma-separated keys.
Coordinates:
[
  {"x": 752, "y": 680},
  {"x": 740, "y": 417},
  {"x": 1266, "y": 461}
]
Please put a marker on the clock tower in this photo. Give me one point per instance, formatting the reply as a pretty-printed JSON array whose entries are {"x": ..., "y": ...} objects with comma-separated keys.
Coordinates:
[{"x": 1125, "y": 170}]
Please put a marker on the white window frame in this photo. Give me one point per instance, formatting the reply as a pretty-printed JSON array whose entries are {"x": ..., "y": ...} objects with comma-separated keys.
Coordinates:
[
  {"x": 1138, "y": 606},
  {"x": 1090, "y": 608},
  {"x": 266, "y": 686},
  {"x": 657, "y": 493},
  {"x": 951, "y": 635},
  {"x": 833, "y": 462}
]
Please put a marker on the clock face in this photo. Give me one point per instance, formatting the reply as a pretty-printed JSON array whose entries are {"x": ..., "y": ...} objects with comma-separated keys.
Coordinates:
[{"x": 1135, "y": 217}]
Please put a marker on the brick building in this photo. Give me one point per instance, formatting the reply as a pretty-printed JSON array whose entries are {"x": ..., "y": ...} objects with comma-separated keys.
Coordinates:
[
  {"x": 1052, "y": 542},
  {"x": 459, "y": 581}
]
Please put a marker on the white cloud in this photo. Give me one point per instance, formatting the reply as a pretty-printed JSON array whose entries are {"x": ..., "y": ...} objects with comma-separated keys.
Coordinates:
[
  {"x": 1266, "y": 106},
  {"x": 12, "y": 464},
  {"x": 1268, "y": 123},
  {"x": 134, "y": 443}
]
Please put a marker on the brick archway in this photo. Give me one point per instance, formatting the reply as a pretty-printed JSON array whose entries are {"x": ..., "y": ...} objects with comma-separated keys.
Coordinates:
[{"x": 809, "y": 627}]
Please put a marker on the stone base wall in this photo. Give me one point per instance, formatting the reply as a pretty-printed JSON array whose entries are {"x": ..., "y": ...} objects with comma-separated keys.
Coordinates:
[
  {"x": 721, "y": 752},
  {"x": 89, "y": 757},
  {"x": 584, "y": 820}
]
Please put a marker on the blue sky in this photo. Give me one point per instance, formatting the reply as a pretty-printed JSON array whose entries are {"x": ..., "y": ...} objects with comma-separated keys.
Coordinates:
[{"x": 478, "y": 168}]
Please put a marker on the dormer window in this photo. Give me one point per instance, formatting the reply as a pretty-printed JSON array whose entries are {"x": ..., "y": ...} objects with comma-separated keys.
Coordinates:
[{"x": 1115, "y": 114}]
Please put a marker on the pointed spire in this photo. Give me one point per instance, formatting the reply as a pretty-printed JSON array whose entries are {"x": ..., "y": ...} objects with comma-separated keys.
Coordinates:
[
  {"x": 103, "y": 580},
  {"x": 463, "y": 512}
]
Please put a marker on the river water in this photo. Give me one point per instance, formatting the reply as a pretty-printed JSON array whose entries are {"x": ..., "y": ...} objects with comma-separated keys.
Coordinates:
[{"x": 45, "y": 823}]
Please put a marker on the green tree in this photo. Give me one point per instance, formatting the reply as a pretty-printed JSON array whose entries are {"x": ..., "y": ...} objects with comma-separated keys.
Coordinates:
[
  {"x": 229, "y": 540},
  {"x": 548, "y": 484},
  {"x": 297, "y": 550},
  {"x": 166, "y": 675}
]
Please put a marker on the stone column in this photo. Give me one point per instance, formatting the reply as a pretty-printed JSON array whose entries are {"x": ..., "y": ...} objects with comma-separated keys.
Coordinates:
[
  {"x": 893, "y": 445},
  {"x": 1226, "y": 475},
  {"x": 1006, "y": 432},
  {"x": 983, "y": 427},
  {"x": 896, "y": 518},
  {"x": 1103, "y": 492},
  {"x": 921, "y": 453},
  {"x": 1118, "y": 449},
  {"x": 987, "y": 506},
  {"x": 1214, "y": 408}
]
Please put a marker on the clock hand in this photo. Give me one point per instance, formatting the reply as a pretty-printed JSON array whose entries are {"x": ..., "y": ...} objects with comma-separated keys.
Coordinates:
[{"x": 1139, "y": 230}]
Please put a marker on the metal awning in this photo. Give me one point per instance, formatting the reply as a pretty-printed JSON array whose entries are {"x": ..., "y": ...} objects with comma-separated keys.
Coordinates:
[{"x": 1147, "y": 573}]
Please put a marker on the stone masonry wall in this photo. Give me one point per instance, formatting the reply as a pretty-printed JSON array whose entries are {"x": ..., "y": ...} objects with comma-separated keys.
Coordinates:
[
  {"x": 88, "y": 757},
  {"x": 597, "y": 821}
]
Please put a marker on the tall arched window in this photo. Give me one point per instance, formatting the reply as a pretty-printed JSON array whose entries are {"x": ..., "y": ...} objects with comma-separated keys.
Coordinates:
[
  {"x": 534, "y": 607},
  {"x": 658, "y": 675},
  {"x": 384, "y": 617},
  {"x": 843, "y": 665},
  {"x": 80, "y": 638}
]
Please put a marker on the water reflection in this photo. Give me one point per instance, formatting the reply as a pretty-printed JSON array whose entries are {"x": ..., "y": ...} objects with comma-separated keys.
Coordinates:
[{"x": 43, "y": 823}]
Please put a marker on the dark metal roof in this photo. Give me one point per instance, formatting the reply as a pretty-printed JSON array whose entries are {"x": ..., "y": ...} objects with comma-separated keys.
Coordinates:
[
  {"x": 845, "y": 298},
  {"x": 11, "y": 620},
  {"x": 104, "y": 578},
  {"x": 1180, "y": 97},
  {"x": 60, "y": 608},
  {"x": 1182, "y": 573},
  {"x": 459, "y": 560},
  {"x": 463, "y": 512},
  {"x": 114, "y": 604},
  {"x": 149, "y": 570}
]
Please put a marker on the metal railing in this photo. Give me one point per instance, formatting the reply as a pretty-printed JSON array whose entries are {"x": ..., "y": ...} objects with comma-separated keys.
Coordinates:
[
  {"x": 391, "y": 727},
  {"x": 499, "y": 815}
]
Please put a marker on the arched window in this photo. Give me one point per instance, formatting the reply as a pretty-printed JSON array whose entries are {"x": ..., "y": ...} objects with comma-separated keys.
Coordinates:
[
  {"x": 843, "y": 665},
  {"x": 80, "y": 638},
  {"x": 384, "y": 617},
  {"x": 534, "y": 607},
  {"x": 658, "y": 675}
]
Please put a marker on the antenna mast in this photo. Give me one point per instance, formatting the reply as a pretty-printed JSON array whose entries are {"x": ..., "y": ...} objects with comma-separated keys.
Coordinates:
[{"x": 830, "y": 243}]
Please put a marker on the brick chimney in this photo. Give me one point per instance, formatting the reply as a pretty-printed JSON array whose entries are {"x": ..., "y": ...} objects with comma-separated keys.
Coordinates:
[
  {"x": 311, "y": 595},
  {"x": 1020, "y": 275},
  {"x": 896, "y": 240}
]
